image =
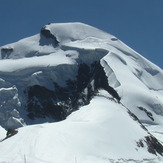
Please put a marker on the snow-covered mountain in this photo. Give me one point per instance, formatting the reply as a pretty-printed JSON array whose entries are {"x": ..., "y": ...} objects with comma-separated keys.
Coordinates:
[{"x": 96, "y": 91}]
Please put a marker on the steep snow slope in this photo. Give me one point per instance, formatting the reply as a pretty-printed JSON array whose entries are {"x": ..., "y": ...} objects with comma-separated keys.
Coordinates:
[
  {"x": 95, "y": 133},
  {"x": 46, "y": 77}
]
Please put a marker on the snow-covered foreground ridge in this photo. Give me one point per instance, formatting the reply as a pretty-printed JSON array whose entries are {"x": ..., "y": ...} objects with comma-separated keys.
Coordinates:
[
  {"x": 75, "y": 67},
  {"x": 100, "y": 132}
]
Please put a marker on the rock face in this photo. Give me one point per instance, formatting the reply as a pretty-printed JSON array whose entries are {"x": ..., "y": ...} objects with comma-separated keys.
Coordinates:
[
  {"x": 59, "y": 103},
  {"x": 5, "y": 52},
  {"x": 50, "y": 38}
]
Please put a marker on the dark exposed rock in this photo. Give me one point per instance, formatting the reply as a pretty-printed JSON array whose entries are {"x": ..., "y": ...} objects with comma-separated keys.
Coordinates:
[
  {"x": 140, "y": 143},
  {"x": 134, "y": 117},
  {"x": 58, "y": 104},
  {"x": 114, "y": 39},
  {"x": 47, "y": 37},
  {"x": 10, "y": 133},
  {"x": 42, "y": 103},
  {"x": 101, "y": 81},
  {"x": 149, "y": 114},
  {"x": 6, "y": 51},
  {"x": 153, "y": 145}
]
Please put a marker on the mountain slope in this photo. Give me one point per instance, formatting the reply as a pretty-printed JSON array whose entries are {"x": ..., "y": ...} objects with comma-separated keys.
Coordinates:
[
  {"x": 71, "y": 66},
  {"x": 95, "y": 133}
]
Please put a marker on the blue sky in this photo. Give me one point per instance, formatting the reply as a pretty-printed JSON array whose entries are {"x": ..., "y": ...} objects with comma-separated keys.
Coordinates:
[{"x": 138, "y": 23}]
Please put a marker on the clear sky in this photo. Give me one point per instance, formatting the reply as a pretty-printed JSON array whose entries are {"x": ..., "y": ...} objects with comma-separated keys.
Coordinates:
[{"x": 138, "y": 23}]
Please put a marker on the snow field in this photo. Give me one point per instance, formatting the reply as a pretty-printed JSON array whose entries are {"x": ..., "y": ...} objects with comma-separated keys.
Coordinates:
[{"x": 100, "y": 131}]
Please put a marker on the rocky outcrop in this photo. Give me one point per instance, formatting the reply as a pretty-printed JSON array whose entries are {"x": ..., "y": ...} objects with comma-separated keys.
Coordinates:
[
  {"x": 47, "y": 37},
  {"x": 6, "y": 51},
  {"x": 152, "y": 144},
  {"x": 58, "y": 104}
]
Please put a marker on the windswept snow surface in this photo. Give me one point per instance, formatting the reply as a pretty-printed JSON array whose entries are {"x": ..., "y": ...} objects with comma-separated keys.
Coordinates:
[
  {"x": 100, "y": 132},
  {"x": 69, "y": 32},
  {"x": 53, "y": 59},
  {"x": 95, "y": 133}
]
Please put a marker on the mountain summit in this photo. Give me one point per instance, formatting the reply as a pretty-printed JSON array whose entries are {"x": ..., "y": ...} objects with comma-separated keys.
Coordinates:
[{"x": 97, "y": 93}]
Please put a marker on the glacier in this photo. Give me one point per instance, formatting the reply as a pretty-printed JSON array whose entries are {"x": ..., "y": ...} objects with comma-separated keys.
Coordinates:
[{"x": 78, "y": 94}]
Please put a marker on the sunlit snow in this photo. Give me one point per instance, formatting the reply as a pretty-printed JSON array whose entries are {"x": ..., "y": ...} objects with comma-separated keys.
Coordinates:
[{"x": 100, "y": 132}]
